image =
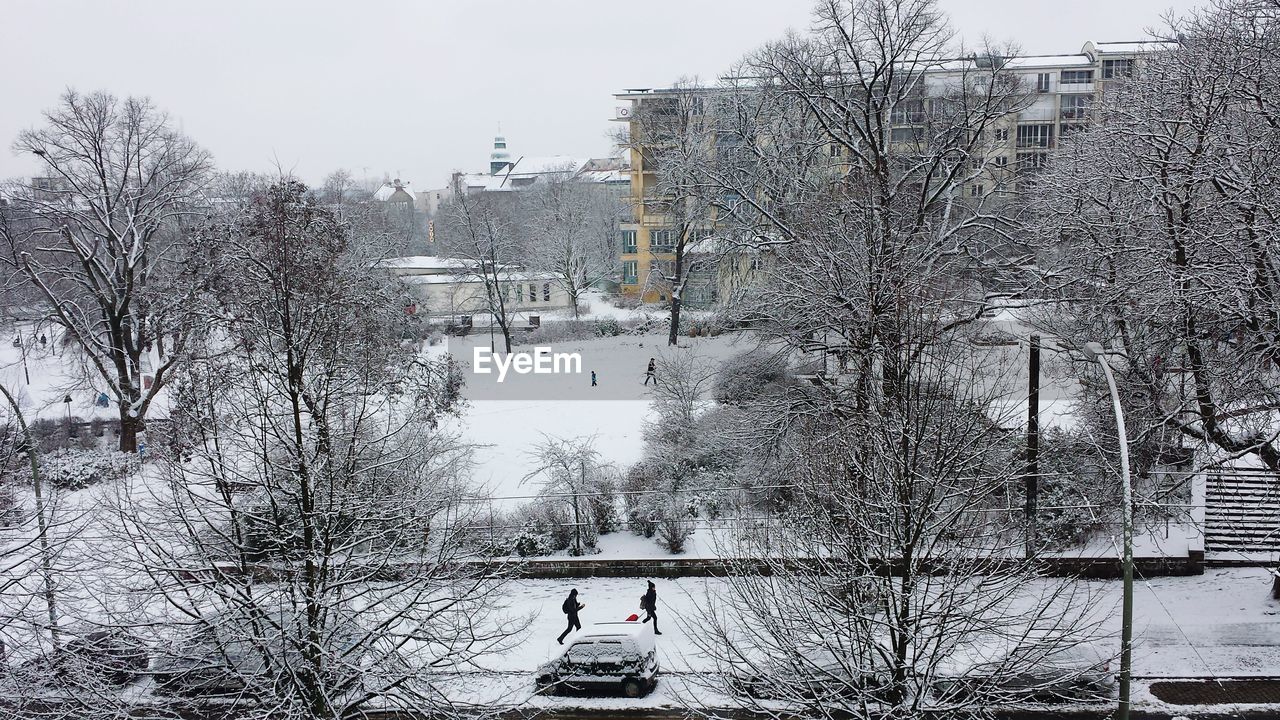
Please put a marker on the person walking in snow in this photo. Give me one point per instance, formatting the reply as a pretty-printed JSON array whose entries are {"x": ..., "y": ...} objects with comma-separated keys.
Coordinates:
[
  {"x": 649, "y": 604},
  {"x": 651, "y": 373},
  {"x": 593, "y": 378},
  {"x": 571, "y": 607}
]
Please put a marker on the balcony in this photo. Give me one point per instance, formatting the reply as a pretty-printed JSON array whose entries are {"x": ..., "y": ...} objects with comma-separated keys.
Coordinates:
[{"x": 1078, "y": 87}]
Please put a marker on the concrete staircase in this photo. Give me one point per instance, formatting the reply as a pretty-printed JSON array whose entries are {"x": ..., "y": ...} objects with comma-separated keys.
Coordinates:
[{"x": 1241, "y": 516}]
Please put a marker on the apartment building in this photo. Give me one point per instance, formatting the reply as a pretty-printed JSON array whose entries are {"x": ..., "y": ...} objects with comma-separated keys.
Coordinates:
[{"x": 1061, "y": 90}]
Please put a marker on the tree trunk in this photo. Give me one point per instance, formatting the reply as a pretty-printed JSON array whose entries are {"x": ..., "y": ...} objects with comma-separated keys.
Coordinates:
[
  {"x": 677, "y": 291},
  {"x": 129, "y": 428}
]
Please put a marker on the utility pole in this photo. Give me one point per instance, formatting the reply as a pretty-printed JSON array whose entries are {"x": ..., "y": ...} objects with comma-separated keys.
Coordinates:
[{"x": 1032, "y": 477}]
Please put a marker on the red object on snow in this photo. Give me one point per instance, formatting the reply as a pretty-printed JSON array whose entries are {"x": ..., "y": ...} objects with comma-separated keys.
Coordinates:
[{"x": 633, "y": 617}]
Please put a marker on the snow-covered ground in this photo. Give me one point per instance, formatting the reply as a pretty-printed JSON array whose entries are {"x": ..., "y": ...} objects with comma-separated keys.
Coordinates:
[
  {"x": 55, "y": 373},
  {"x": 1220, "y": 624},
  {"x": 506, "y": 431}
]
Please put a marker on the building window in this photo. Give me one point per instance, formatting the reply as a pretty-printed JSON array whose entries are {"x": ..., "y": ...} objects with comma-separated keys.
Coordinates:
[
  {"x": 533, "y": 292},
  {"x": 906, "y": 134},
  {"x": 1117, "y": 69},
  {"x": 1076, "y": 107},
  {"x": 1042, "y": 82},
  {"x": 833, "y": 150},
  {"x": 1031, "y": 162},
  {"x": 975, "y": 190},
  {"x": 629, "y": 272},
  {"x": 1035, "y": 136},
  {"x": 546, "y": 292},
  {"x": 1076, "y": 77},
  {"x": 907, "y": 111},
  {"x": 1001, "y": 134},
  {"x": 1000, "y": 161},
  {"x": 661, "y": 240},
  {"x": 628, "y": 241}
]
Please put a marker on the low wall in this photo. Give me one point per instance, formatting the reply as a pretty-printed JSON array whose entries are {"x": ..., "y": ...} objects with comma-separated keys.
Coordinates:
[{"x": 676, "y": 567}]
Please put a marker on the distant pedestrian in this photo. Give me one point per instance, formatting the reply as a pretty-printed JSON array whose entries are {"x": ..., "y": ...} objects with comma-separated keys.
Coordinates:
[
  {"x": 593, "y": 378},
  {"x": 571, "y": 607},
  {"x": 44, "y": 341},
  {"x": 649, "y": 604},
  {"x": 651, "y": 373}
]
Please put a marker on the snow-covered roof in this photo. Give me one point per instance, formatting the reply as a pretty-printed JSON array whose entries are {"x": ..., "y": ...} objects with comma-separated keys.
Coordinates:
[
  {"x": 605, "y": 176},
  {"x": 483, "y": 181},
  {"x": 466, "y": 277},
  {"x": 425, "y": 262},
  {"x": 550, "y": 165},
  {"x": 1038, "y": 61},
  {"x": 1127, "y": 47}
]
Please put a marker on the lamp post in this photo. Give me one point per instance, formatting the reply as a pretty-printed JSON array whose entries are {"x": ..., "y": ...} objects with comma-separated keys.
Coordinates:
[
  {"x": 1094, "y": 351},
  {"x": 66, "y": 401},
  {"x": 22, "y": 348}
]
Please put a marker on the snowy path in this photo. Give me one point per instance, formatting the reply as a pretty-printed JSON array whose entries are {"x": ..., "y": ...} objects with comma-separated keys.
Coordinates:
[{"x": 1217, "y": 624}]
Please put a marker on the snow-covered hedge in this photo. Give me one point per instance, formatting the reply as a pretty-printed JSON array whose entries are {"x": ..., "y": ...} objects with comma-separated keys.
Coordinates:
[
  {"x": 72, "y": 468},
  {"x": 566, "y": 330}
]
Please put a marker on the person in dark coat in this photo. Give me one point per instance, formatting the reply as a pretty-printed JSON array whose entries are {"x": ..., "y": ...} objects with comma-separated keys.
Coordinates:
[
  {"x": 649, "y": 604},
  {"x": 651, "y": 373},
  {"x": 571, "y": 607}
]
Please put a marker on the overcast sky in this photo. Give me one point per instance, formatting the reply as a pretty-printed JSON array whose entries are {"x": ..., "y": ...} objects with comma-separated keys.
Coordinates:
[{"x": 417, "y": 88}]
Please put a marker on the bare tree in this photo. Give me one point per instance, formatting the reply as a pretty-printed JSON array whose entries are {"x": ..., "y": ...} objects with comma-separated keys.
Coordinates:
[
  {"x": 478, "y": 229},
  {"x": 675, "y": 139},
  {"x": 102, "y": 241},
  {"x": 1167, "y": 250},
  {"x": 858, "y": 157},
  {"x": 299, "y": 551},
  {"x": 573, "y": 469},
  {"x": 572, "y": 229},
  {"x": 895, "y": 580}
]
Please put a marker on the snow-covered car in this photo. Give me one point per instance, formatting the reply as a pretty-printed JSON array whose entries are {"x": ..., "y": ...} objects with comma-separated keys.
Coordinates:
[
  {"x": 811, "y": 674},
  {"x": 113, "y": 657},
  {"x": 1078, "y": 673},
  {"x": 230, "y": 653},
  {"x": 607, "y": 655}
]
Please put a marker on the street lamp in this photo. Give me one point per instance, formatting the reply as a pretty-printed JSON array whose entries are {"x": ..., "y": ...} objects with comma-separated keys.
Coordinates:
[
  {"x": 1094, "y": 351},
  {"x": 67, "y": 402}
]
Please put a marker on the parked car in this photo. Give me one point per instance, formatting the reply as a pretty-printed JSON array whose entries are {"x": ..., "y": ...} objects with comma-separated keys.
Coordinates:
[
  {"x": 1073, "y": 673},
  {"x": 810, "y": 674},
  {"x": 607, "y": 655},
  {"x": 228, "y": 654},
  {"x": 114, "y": 657}
]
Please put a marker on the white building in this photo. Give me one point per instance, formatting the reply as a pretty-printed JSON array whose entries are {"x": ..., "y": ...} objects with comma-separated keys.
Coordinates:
[{"x": 454, "y": 288}]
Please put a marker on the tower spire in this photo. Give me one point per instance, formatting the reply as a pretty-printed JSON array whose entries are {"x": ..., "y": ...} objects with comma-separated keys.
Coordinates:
[{"x": 499, "y": 159}]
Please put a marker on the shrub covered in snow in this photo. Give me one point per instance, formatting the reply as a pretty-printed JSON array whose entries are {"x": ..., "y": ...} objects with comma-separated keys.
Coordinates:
[
  {"x": 703, "y": 327},
  {"x": 73, "y": 469},
  {"x": 545, "y": 527},
  {"x": 749, "y": 376},
  {"x": 608, "y": 327},
  {"x": 674, "y": 528},
  {"x": 566, "y": 330}
]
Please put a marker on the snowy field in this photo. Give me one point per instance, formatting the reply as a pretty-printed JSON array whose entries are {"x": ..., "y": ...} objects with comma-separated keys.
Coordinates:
[{"x": 505, "y": 432}]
